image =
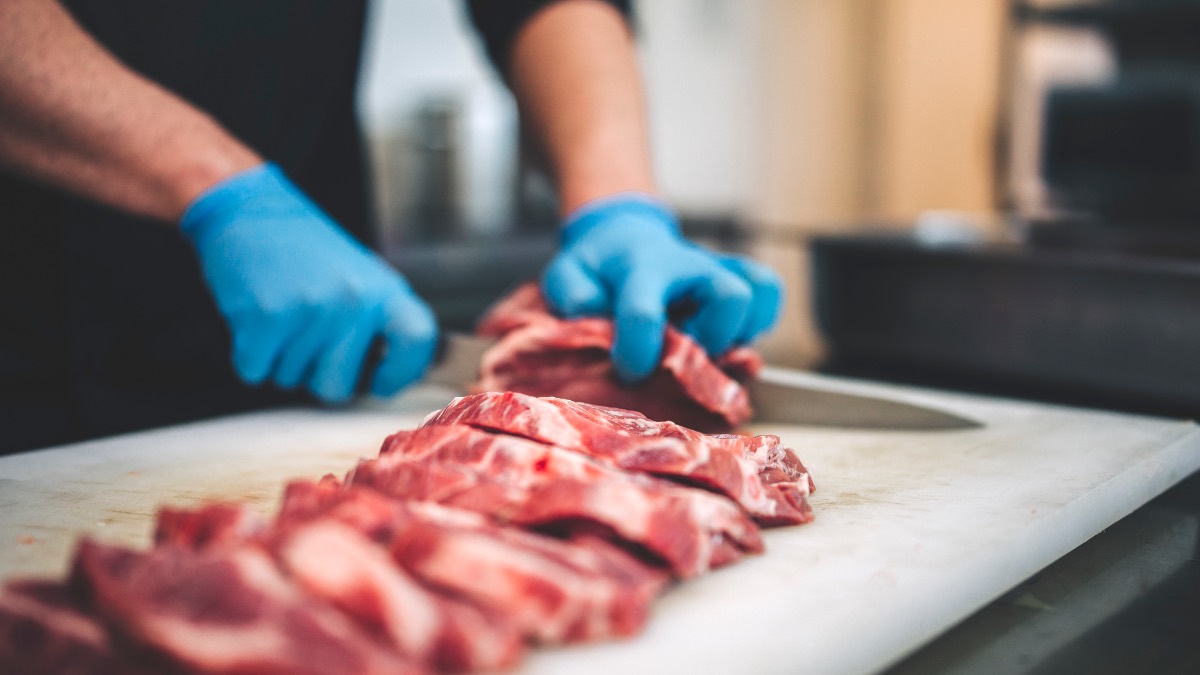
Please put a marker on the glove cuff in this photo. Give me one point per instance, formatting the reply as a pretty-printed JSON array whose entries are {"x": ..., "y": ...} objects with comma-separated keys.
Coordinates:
[
  {"x": 233, "y": 193},
  {"x": 599, "y": 211}
]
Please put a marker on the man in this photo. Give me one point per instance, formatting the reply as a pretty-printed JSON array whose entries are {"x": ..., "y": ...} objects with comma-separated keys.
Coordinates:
[{"x": 183, "y": 208}]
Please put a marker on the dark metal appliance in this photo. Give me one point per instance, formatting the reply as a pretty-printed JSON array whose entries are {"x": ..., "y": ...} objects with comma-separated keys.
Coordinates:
[{"x": 1097, "y": 303}]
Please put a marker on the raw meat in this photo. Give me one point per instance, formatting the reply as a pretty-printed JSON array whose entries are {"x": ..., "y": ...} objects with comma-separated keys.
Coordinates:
[
  {"x": 504, "y": 518},
  {"x": 534, "y": 484},
  {"x": 43, "y": 630},
  {"x": 332, "y": 561},
  {"x": 523, "y": 306},
  {"x": 337, "y": 564},
  {"x": 224, "y": 610},
  {"x": 758, "y": 473},
  {"x": 209, "y": 525},
  {"x": 542, "y": 355},
  {"x": 551, "y": 591}
]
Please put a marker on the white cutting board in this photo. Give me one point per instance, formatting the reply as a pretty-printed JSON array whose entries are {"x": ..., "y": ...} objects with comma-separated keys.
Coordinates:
[{"x": 914, "y": 530}]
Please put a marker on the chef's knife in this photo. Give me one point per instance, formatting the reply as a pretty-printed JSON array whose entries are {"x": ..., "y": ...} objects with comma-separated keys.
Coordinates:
[
  {"x": 774, "y": 400},
  {"x": 777, "y": 401},
  {"x": 456, "y": 364}
]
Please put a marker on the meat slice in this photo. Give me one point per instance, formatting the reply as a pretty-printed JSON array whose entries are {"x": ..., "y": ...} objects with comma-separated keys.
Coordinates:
[
  {"x": 525, "y": 482},
  {"x": 336, "y": 563},
  {"x": 333, "y": 561},
  {"x": 758, "y": 473},
  {"x": 551, "y": 591},
  {"x": 212, "y": 524},
  {"x": 44, "y": 630},
  {"x": 542, "y": 355},
  {"x": 224, "y": 610}
]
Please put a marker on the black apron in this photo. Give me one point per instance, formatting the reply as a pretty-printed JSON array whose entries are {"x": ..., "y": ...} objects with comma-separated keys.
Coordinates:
[{"x": 106, "y": 324}]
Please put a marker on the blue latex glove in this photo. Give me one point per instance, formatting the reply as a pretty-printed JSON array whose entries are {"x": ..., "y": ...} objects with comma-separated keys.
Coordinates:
[
  {"x": 624, "y": 256},
  {"x": 302, "y": 298}
]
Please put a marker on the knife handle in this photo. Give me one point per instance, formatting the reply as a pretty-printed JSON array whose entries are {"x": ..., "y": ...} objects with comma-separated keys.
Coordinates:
[{"x": 375, "y": 354}]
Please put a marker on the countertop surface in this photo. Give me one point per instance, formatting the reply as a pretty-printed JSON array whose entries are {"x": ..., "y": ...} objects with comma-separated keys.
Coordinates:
[{"x": 914, "y": 532}]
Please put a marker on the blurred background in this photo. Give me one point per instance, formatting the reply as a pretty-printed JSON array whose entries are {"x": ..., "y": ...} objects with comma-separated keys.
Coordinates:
[{"x": 947, "y": 186}]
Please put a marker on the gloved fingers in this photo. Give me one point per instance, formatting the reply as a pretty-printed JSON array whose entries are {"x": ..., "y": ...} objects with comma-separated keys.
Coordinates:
[
  {"x": 723, "y": 300},
  {"x": 257, "y": 341},
  {"x": 768, "y": 295},
  {"x": 572, "y": 290},
  {"x": 299, "y": 355},
  {"x": 340, "y": 365},
  {"x": 410, "y": 332},
  {"x": 639, "y": 321}
]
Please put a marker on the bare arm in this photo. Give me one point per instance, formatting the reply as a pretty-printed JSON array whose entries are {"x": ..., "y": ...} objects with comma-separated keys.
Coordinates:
[
  {"x": 73, "y": 116},
  {"x": 575, "y": 73}
]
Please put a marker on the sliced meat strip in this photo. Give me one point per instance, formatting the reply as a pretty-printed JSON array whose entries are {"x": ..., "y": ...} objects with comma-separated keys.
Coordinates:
[
  {"x": 552, "y": 591},
  {"x": 224, "y": 610},
  {"x": 542, "y": 355},
  {"x": 338, "y": 564},
  {"x": 529, "y": 483},
  {"x": 208, "y": 525},
  {"x": 758, "y": 473},
  {"x": 333, "y": 561},
  {"x": 44, "y": 630}
]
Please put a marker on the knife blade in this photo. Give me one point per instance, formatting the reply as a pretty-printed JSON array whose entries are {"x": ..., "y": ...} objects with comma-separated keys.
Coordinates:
[
  {"x": 778, "y": 401},
  {"x": 456, "y": 363}
]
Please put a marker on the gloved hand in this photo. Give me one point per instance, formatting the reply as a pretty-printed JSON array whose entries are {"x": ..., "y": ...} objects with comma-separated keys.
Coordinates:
[
  {"x": 624, "y": 256},
  {"x": 302, "y": 298}
]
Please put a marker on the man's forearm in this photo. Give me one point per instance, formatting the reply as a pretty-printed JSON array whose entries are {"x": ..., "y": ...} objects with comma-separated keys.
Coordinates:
[
  {"x": 73, "y": 116},
  {"x": 575, "y": 74}
]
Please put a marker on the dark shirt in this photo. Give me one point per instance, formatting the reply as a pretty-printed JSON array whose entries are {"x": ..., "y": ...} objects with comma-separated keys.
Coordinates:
[{"x": 106, "y": 325}]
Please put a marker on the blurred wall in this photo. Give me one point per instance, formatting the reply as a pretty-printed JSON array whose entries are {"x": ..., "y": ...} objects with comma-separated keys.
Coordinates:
[
  {"x": 703, "y": 65},
  {"x": 938, "y": 73},
  {"x": 879, "y": 109}
]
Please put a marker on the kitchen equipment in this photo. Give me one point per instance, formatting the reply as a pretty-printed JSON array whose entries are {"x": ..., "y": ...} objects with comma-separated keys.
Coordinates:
[
  {"x": 1126, "y": 149},
  {"x": 778, "y": 400},
  {"x": 1084, "y": 327},
  {"x": 1093, "y": 295},
  {"x": 913, "y": 531},
  {"x": 775, "y": 399}
]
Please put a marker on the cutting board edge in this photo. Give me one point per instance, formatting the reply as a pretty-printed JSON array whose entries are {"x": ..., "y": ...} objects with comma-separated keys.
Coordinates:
[{"x": 1013, "y": 574}]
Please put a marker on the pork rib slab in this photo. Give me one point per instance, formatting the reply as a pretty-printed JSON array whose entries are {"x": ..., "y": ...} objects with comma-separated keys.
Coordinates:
[
  {"x": 543, "y": 355},
  {"x": 225, "y": 610},
  {"x": 335, "y": 562},
  {"x": 43, "y": 629},
  {"x": 758, "y": 473},
  {"x": 530, "y": 483},
  {"x": 552, "y": 591}
]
